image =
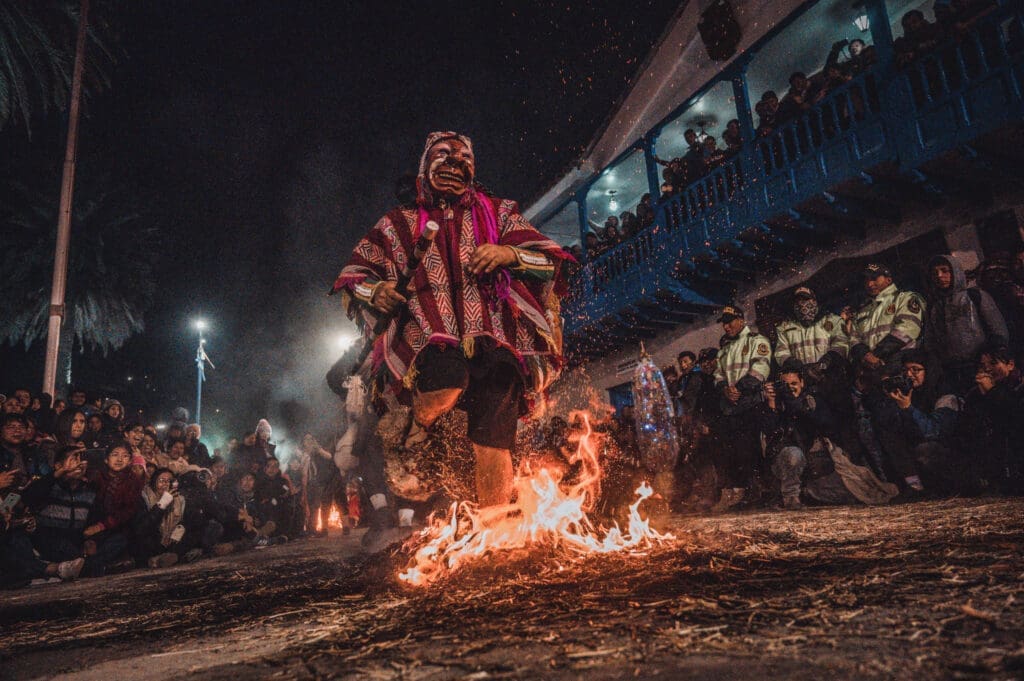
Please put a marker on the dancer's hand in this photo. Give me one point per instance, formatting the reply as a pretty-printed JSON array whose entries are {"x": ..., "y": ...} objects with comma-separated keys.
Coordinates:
[
  {"x": 489, "y": 257},
  {"x": 386, "y": 298}
]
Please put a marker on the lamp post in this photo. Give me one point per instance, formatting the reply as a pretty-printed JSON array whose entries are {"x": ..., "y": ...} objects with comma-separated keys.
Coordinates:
[{"x": 201, "y": 360}]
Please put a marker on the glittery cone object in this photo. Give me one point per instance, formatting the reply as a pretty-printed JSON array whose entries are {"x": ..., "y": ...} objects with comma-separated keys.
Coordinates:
[{"x": 655, "y": 425}]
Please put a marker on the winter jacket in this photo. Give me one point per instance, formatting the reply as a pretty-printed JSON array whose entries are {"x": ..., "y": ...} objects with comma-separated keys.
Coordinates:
[
  {"x": 61, "y": 509},
  {"x": 887, "y": 324},
  {"x": 797, "y": 422},
  {"x": 810, "y": 342},
  {"x": 960, "y": 321},
  {"x": 118, "y": 497}
]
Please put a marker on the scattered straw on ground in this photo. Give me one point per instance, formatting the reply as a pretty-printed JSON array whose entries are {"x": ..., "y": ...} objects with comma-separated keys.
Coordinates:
[{"x": 914, "y": 591}]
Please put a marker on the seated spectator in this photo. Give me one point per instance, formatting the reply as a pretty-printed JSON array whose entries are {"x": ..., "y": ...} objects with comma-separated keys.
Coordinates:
[
  {"x": 13, "y": 467},
  {"x": 218, "y": 468},
  {"x": 958, "y": 322},
  {"x": 919, "y": 37},
  {"x": 148, "y": 448},
  {"x": 174, "y": 459},
  {"x": 593, "y": 244},
  {"x": 157, "y": 527},
  {"x": 118, "y": 497},
  {"x": 113, "y": 419},
  {"x": 273, "y": 496},
  {"x": 667, "y": 190},
  {"x": 69, "y": 430},
  {"x": 918, "y": 436},
  {"x": 96, "y": 436},
  {"x": 245, "y": 525},
  {"x": 19, "y": 564},
  {"x": 998, "y": 277},
  {"x": 993, "y": 429},
  {"x": 794, "y": 424},
  {"x": 62, "y": 503},
  {"x": 206, "y": 517},
  {"x": 195, "y": 451},
  {"x": 255, "y": 449},
  {"x": 732, "y": 137}
]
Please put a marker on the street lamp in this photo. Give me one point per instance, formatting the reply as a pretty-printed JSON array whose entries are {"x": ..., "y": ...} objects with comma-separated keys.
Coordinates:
[{"x": 201, "y": 360}]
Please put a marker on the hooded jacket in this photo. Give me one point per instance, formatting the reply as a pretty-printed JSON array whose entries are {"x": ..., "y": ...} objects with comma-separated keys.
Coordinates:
[{"x": 960, "y": 321}]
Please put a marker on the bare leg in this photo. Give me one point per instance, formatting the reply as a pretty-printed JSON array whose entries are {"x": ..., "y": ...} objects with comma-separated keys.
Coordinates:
[
  {"x": 427, "y": 408},
  {"x": 493, "y": 475}
]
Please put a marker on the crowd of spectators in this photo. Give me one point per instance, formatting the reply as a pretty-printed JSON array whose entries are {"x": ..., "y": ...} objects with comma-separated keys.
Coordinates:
[
  {"x": 846, "y": 60},
  {"x": 908, "y": 396},
  {"x": 86, "y": 490}
]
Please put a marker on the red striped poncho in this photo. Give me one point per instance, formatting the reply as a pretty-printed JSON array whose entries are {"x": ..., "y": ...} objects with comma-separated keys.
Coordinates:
[{"x": 449, "y": 306}]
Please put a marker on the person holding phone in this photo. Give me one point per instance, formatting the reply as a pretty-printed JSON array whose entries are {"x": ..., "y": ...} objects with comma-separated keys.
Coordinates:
[{"x": 61, "y": 503}]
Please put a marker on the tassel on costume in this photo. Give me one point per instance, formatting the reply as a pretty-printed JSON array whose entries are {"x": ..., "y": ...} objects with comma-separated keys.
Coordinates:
[
  {"x": 469, "y": 346},
  {"x": 409, "y": 380}
]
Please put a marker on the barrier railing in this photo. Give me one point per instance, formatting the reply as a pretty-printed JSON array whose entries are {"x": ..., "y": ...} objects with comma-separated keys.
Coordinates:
[{"x": 909, "y": 114}]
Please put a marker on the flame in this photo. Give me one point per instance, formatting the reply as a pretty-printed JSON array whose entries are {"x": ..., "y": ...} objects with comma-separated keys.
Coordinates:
[
  {"x": 333, "y": 519},
  {"x": 545, "y": 512}
]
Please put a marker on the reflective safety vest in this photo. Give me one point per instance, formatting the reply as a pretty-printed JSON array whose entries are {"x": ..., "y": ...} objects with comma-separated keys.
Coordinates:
[
  {"x": 892, "y": 312},
  {"x": 810, "y": 343},
  {"x": 748, "y": 353}
]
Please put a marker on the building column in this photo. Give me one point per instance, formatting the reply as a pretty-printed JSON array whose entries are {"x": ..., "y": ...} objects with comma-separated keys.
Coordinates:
[
  {"x": 881, "y": 29},
  {"x": 653, "y": 176},
  {"x": 581, "y": 211}
]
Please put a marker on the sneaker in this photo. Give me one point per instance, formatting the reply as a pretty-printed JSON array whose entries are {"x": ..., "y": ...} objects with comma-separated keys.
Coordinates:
[
  {"x": 164, "y": 560},
  {"x": 731, "y": 496},
  {"x": 223, "y": 549},
  {"x": 70, "y": 569},
  {"x": 279, "y": 539},
  {"x": 193, "y": 555},
  {"x": 261, "y": 542}
]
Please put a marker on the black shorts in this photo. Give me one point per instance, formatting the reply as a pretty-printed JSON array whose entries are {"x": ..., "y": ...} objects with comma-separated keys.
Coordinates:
[{"x": 491, "y": 383}]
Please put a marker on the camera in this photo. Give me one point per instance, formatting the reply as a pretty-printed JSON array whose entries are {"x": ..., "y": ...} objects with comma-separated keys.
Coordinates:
[
  {"x": 781, "y": 389},
  {"x": 898, "y": 383}
]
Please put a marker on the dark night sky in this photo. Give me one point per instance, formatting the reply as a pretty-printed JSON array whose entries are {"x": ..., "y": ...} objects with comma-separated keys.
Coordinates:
[{"x": 266, "y": 137}]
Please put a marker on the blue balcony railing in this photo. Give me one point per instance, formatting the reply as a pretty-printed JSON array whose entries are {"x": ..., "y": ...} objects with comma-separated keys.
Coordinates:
[{"x": 897, "y": 117}]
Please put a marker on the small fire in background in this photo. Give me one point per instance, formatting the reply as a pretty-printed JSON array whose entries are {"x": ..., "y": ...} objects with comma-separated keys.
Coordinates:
[
  {"x": 333, "y": 520},
  {"x": 546, "y": 512}
]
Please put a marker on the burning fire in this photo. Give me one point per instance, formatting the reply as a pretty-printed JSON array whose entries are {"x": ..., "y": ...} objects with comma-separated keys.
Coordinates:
[
  {"x": 333, "y": 520},
  {"x": 545, "y": 511}
]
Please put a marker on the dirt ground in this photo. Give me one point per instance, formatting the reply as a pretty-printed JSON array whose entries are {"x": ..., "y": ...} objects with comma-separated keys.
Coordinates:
[{"x": 927, "y": 590}]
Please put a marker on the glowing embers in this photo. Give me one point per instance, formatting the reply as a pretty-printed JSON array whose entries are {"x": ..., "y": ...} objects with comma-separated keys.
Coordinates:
[{"x": 546, "y": 512}]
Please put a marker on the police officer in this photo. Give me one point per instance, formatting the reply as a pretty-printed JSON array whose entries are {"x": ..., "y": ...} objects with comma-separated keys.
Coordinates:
[
  {"x": 887, "y": 324},
  {"x": 811, "y": 336},
  {"x": 744, "y": 363}
]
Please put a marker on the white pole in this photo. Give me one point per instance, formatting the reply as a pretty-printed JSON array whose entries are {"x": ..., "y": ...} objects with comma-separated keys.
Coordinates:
[{"x": 60, "y": 259}]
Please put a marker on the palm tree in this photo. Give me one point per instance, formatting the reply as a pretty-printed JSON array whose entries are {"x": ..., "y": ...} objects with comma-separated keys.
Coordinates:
[
  {"x": 37, "y": 49},
  {"x": 114, "y": 250}
]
